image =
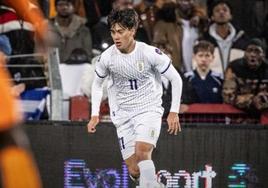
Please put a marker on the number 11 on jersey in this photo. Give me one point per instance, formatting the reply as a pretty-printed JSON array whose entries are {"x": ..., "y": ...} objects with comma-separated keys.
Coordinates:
[{"x": 133, "y": 84}]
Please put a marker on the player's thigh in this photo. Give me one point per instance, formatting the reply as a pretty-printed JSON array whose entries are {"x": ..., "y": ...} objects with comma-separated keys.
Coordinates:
[
  {"x": 126, "y": 139},
  {"x": 147, "y": 128}
]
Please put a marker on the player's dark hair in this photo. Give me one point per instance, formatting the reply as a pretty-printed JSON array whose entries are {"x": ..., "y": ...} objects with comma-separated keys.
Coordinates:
[
  {"x": 203, "y": 45},
  {"x": 127, "y": 18}
]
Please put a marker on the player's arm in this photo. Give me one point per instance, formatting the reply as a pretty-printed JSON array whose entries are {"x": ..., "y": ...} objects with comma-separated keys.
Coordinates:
[
  {"x": 176, "y": 83},
  {"x": 163, "y": 64},
  {"x": 96, "y": 94}
]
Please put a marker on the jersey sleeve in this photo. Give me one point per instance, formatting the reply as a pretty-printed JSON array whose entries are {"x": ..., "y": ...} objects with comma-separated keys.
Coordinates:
[
  {"x": 101, "y": 67},
  {"x": 159, "y": 60},
  {"x": 176, "y": 83}
]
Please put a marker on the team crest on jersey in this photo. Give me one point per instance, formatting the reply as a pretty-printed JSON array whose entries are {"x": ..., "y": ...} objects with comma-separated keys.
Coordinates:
[
  {"x": 158, "y": 51},
  {"x": 152, "y": 132},
  {"x": 140, "y": 66}
]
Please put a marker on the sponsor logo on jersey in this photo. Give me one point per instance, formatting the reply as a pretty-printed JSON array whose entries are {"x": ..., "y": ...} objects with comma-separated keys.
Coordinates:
[{"x": 140, "y": 66}]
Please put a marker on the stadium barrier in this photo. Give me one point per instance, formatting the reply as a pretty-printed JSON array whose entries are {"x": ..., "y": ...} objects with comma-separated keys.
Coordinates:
[
  {"x": 38, "y": 71},
  {"x": 201, "y": 156},
  {"x": 195, "y": 113}
]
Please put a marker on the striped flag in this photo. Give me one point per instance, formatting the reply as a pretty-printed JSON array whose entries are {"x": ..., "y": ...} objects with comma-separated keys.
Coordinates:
[{"x": 33, "y": 103}]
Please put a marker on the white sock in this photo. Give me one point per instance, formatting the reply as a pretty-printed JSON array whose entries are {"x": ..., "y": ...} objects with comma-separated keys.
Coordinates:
[{"x": 147, "y": 173}]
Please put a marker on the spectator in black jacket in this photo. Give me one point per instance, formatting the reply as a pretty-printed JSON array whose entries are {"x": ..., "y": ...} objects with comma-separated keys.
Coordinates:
[{"x": 246, "y": 79}]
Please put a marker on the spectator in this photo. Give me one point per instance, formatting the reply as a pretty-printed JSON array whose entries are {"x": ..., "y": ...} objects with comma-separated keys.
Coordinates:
[
  {"x": 48, "y": 6},
  {"x": 229, "y": 41},
  {"x": 206, "y": 84},
  {"x": 177, "y": 29},
  {"x": 68, "y": 31},
  {"x": 246, "y": 79},
  {"x": 256, "y": 11}
]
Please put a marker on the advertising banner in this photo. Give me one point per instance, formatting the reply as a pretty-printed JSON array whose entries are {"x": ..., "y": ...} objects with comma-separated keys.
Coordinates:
[{"x": 201, "y": 156}]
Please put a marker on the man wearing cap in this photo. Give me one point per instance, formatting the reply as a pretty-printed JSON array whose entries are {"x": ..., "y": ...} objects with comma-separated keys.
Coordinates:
[{"x": 246, "y": 79}]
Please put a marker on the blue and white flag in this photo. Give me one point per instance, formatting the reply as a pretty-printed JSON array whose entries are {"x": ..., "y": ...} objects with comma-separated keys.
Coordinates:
[{"x": 33, "y": 103}]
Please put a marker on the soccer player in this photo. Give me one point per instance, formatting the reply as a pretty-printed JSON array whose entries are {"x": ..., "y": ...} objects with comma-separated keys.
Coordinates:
[{"x": 134, "y": 72}]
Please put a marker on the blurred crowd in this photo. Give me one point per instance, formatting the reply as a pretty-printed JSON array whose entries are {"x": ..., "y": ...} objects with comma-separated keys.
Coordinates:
[{"x": 217, "y": 46}]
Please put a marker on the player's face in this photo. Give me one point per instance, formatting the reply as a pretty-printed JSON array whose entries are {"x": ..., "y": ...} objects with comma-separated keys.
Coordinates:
[
  {"x": 64, "y": 8},
  {"x": 254, "y": 56},
  {"x": 203, "y": 60},
  {"x": 221, "y": 14},
  {"x": 123, "y": 38}
]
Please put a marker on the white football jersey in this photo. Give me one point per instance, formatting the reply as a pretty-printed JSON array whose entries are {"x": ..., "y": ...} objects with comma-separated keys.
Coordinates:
[{"x": 134, "y": 79}]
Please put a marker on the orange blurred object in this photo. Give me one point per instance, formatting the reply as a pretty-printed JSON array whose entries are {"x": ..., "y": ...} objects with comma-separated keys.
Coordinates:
[
  {"x": 17, "y": 169},
  {"x": 9, "y": 114}
]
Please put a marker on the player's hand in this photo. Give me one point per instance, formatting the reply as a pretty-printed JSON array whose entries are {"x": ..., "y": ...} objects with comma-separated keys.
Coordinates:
[
  {"x": 91, "y": 126},
  {"x": 173, "y": 123}
]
